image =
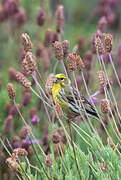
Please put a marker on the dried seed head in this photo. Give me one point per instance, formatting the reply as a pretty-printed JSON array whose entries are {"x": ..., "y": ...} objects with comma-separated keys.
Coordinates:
[
  {"x": 26, "y": 42},
  {"x": 65, "y": 45},
  {"x": 71, "y": 62},
  {"x": 13, "y": 110},
  {"x": 32, "y": 112},
  {"x": 25, "y": 131},
  {"x": 8, "y": 125},
  {"x": 81, "y": 43},
  {"x": 12, "y": 163},
  {"x": 99, "y": 46},
  {"x": 45, "y": 63},
  {"x": 105, "y": 106},
  {"x": 108, "y": 44},
  {"x": 48, "y": 161},
  {"x": 56, "y": 137},
  {"x": 88, "y": 60},
  {"x": 29, "y": 64},
  {"x": 102, "y": 79},
  {"x": 60, "y": 19},
  {"x": 102, "y": 24},
  {"x": 30, "y": 151},
  {"x": 26, "y": 99},
  {"x": 8, "y": 106},
  {"x": 55, "y": 37},
  {"x": 58, "y": 50},
  {"x": 48, "y": 38},
  {"x": 49, "y": 84},
  {"x": 41, "y": 18},
  {"x": 11, "y": 91},
  {"x": 39, "y": 50},
  {"x": 23, "y": 80},
  {"x": 12, "y": 74},
  {"x": 79, "y": 63},
  {"x": 59, "y": 110},
  {"x": 110, "y": 142},
  {"x": 20, "y": 151}
]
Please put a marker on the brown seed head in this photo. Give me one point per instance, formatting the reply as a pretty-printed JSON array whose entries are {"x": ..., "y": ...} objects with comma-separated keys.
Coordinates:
[
  {"x": 65, "y": 45},
  {"x": 11, "y": 91},
  {"x": 41, "y": 18},
  {"x": 71, "y": 62},
  {"x": 45, "y": 63},
  {"x": 110, "y": 142},
  {"x": 23, "y": 80},
  {"x": 8, "y": 106},
  {"x": 12, "y": 163},
  {"x": 102, "y": 24},
  {"x": 29, "y": 64},
  {"x": 24, "y": 131},
  {"x": 56, "y": 137},
  {"x": 105, "y": 106},
  {"x": 60, "y": 19},
  {"x": 49, "y": 84},
  {"x": 79, "y": 63},
  {"x": 8, "y": 125},
  {"x": 58, "y": 50},
  {"x": 48, "y": 161},
  {"x": 102, "y": 79},
  {"x": 12, "y": 74},
  {"x": 48, "y": 38},
  {"x": 32, "y": 112},
  {"x": 20, "y": 151},
  {"x": 108, "y": 44},
  {"x": 99, "y": 46},
  {"x": 55, "y": 37},
  {"x": 59, "y": 110},
  {"x": 26, "y": 42}
]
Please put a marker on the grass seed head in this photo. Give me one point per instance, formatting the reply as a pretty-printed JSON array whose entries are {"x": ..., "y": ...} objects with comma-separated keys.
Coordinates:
[
  {"x": 26, "y": 42},
  {"x": 105, "y": 106},
  {"x": 60, "y": 19},
  {"x": 11, "y": 91},
  {"x": 99, "y": 46},
  {"x": 108, "y": 44},
  {"x": 23, "y": 80},
  {"x": 41, "y": 18},
  {"x": 58, "y": 50},
  {"x": 71, "y": 62},
  {"x": 65, "y": 45},
  {"x": 48, "y": 38},
  {"x": 79, "y": 63}
]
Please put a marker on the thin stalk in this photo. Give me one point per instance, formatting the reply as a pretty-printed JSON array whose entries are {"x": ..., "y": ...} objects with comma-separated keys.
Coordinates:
[
  {"x": 74, "y": 150},
  {"x": 114, "y": 69},
  {"x": 108, "y": 81},
  {"x": 40, "y": 97}
]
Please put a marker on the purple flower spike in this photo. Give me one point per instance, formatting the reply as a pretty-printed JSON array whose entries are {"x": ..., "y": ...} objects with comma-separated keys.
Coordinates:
[
  {"x": 93, "y": 100},
  {"x": 34, "y": 120}
]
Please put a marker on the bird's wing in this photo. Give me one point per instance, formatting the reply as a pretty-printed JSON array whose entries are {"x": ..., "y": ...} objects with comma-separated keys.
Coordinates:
[{"x": 71, "y": 95}]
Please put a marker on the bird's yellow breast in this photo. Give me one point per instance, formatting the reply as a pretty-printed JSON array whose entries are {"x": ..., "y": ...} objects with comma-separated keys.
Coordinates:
[{"x": 55, "y": 90}]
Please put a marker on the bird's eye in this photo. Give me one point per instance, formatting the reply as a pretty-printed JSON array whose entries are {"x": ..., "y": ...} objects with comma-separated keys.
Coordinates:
[{"x": 61, "y": 78}]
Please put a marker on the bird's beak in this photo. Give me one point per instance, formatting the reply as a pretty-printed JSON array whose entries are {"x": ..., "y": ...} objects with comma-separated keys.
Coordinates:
[{"x": 55, "y": 80}]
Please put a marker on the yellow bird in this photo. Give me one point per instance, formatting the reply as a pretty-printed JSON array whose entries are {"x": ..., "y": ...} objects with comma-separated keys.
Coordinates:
[{"x": 68, "y": 98}]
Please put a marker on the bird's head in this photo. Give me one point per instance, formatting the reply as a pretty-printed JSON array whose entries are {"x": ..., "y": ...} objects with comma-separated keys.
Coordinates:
[{"x": 61, "y": 79}]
